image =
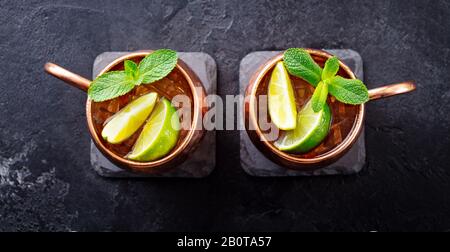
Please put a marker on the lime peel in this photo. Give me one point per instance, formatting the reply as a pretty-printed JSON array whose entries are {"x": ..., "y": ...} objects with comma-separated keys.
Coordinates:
[
  {"x": 159, "y": 135},
  {"x": 311, "y": 129}
]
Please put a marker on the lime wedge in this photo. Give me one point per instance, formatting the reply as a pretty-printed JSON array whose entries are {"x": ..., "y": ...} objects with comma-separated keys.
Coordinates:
[
  {"x": 311, "y": 129},
  {"x": 282, "y": 109},
  {"x": 159, "y": 135},
  {"x": 128, "y": 120}
]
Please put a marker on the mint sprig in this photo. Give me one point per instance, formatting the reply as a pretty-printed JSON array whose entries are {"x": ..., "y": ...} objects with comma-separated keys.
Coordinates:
[
  {"x": 350, "y": 91},
  {"x": 110, "y": 85},
  {"x": 299, "y": 63},
  {"x": 152, "y": 68},
  {"x": 157, "y": 65}
]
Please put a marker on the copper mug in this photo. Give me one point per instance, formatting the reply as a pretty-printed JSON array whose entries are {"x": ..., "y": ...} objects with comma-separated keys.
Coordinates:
[
  {"x": 189, "y": 138},
  {"x": 258, "y": 86}
]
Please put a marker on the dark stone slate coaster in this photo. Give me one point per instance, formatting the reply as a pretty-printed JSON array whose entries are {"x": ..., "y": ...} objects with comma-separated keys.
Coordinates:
[
  {"x": 203, "y": 160},
  {"x": 256, "y": 164}
]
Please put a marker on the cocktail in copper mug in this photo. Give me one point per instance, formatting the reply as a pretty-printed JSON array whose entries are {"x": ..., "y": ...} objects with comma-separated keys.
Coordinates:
[
  {"x": 182, "y": 80},
  {"x": 347, "y": 120}
]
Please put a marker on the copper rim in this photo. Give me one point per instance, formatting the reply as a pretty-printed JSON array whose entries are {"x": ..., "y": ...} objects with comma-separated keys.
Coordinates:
[
  {"x": 286, "y": 159},
  {"x": 191, "y": 139}
]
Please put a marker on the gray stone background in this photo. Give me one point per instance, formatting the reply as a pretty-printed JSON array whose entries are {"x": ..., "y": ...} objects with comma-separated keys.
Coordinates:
[{"x": 46, "y": 182}]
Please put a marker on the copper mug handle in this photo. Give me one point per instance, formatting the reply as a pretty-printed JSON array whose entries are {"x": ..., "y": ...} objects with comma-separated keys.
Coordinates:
[
  {"x": 67, "y": 76},
  {"x": 390, "y": 90}
]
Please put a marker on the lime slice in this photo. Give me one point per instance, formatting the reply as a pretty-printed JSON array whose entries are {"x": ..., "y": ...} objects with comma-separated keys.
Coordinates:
[
  {"x": 311, "y": 129},
  {"x": 128, "y": 120},
  {"x": 282, "y": 109},
  {"x": 159, "y": 135}
]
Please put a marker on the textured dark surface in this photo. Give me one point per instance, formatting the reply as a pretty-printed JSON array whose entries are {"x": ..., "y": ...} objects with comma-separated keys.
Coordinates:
[{"x": 46, "y": 182}]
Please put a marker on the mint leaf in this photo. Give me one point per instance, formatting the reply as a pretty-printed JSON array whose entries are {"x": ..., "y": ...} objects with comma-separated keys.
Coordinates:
[
  {"x": 350, "y": 91},
  {"x": 153, "y": 67},
  {"x": 319, "y": 97},
  {"x": 110, "y": 85},
  {"x": 299, "y": 63},
  {"x": 131, "y": 69},
  {"x": 157, "y": 65},
  {"x": 331, "y": 68}
]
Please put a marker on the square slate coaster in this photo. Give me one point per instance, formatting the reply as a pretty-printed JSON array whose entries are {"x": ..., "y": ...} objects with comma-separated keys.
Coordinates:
[
  {"x": 256, "y": 164},
  {"x": 203, "y": 160}
]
